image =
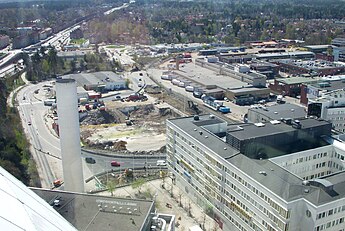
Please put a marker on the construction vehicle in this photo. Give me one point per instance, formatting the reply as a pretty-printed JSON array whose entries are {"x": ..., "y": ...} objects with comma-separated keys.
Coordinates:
[{"x": 194, "y": 107}]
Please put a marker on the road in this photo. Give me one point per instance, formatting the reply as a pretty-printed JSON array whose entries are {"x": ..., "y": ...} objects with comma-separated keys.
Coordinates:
[
  {"x": 237, "y": 111},
  {"x": 45, "y": 145}
]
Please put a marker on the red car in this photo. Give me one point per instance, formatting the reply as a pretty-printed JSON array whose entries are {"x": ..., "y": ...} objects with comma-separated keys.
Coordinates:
[{"x": 115, "y": 164}]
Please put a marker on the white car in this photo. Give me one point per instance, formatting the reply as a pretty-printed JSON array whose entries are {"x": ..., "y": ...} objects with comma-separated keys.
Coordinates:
[{"x": 161, "y": 163}]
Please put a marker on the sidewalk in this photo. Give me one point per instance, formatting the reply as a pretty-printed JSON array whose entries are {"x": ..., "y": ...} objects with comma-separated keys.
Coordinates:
[{"x": 187, "y": 213}]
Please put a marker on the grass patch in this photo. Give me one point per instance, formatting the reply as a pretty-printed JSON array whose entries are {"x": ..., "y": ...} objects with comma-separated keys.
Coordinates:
[
  {"x": 78, "y": 41},
  {"x": 114, "y": 46}
]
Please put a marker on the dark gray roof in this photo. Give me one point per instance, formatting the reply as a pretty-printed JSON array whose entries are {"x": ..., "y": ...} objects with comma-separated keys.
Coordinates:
[
  {"x": 83, "y": 210},
  {"x": 196, "y": 129},
  {"x": 278, "y": 111},
  {"x": 250, "y": 131}
]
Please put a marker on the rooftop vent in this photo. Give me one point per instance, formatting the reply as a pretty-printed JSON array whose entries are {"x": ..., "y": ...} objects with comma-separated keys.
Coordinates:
[
  {"x": 200, "y": 132},
  {"x": 306, "y": 190},
  {"x": 206, "y": 137},
  {"x": 196, "y": 118},
  {"x": 225, "y": 148},
  {"x": 211, "y": 116}
]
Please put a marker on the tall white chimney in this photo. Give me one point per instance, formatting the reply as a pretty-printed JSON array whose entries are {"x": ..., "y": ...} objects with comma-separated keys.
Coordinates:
[{"x": 69, "y": 131}]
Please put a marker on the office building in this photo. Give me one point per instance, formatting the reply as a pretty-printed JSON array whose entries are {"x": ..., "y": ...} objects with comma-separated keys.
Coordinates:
[
  {"x": 253, "y": 183},
  {"x": 329, "y": 106}
]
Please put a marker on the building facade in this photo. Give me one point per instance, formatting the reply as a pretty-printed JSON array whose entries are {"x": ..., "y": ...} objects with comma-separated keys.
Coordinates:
[
  {"x": 330, "y": 106},
  {"x": 257, "y": 194}
]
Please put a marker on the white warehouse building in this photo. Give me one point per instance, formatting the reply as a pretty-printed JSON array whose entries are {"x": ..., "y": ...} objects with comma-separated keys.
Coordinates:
[
  {"x": 278, "y": 175},
  {"x": 99, "y": 81}
]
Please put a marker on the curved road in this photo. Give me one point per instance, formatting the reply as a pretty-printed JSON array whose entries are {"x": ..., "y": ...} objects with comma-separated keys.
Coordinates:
[{"x": 45, "y": 145}]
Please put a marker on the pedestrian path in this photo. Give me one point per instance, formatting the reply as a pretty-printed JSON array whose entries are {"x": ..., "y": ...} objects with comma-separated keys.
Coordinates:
[{"x": 171, "y": 201}]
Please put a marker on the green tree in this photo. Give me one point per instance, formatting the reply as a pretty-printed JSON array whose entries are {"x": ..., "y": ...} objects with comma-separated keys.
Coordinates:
[
  {"x": 111, "y": 186},
  {"x": 137, "y": 184}
]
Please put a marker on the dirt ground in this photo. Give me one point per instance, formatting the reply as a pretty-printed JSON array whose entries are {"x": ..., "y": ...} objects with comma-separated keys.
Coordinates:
[{"x": 108, "y": 129}]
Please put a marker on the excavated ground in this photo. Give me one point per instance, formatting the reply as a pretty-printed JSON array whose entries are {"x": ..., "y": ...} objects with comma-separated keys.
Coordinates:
[{"x": 108, "y": 129}]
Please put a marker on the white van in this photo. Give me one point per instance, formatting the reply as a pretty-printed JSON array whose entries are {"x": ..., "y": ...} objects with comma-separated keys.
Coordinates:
[{"x": 161, "y": 163}]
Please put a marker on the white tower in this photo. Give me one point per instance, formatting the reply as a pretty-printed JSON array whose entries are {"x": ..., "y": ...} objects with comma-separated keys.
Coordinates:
[{"x": 69, "y": 131}]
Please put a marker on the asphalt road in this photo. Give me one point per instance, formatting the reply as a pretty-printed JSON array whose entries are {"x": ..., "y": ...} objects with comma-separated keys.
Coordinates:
[{"x": 45, "y": 145}]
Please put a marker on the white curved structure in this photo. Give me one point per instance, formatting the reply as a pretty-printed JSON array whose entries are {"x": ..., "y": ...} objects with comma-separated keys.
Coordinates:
[
  {"x": 22, "y": 209},
  {"x": 67, "y": 109}
]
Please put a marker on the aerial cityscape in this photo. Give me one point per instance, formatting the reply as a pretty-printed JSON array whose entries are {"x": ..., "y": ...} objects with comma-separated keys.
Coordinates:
[{"x": 172, "y": 115}]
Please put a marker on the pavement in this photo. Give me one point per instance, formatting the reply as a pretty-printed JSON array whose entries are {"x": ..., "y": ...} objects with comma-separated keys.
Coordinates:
[{"x": 187, "y": 215}]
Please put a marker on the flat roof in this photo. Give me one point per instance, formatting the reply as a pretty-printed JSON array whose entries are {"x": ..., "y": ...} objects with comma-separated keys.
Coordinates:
[
  {"x": 318, "y": 46},
  {"x": 72, "y": 53},
  {"x": 195, "y": 129},
  {"x": 274, "y": 178},
  {"x": 95, "y": 78},
  {"x": 297, "y": 80},
  {"x": 249, "y": 89},
  {"x": 278, "y": 111},
  {"x": 93, "y": 212},
  {"x": 251, "y": 131},
  {"x": 331, "y": 86},
  {"x": 284, "y": 54},
  {"x": 205, "y": 76}
]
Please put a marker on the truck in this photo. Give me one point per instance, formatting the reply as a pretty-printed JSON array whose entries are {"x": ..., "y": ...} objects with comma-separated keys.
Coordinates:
[
  {"x": 49, "y": 102},
  {"x": 214, "y": 104},
  {"x": 280, "y": 99}
]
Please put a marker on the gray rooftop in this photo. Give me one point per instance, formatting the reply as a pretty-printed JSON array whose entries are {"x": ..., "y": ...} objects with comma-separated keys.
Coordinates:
[
  {"x": 96, "y": 78},
  {"x": 250, "y": 131},
  {"x": 69, "y": 54},
  {"x": 278, "y": 111},
  {"x": 271, "y": 176},
  {"x": 285, "y": 184},
  {"x": 83, "y": 210},
  {"x": 196, "y": 130},
  {"x": 284, "y": 55},
  {"x": 205, "y": 76},
  {"x": 330, "y": 86}
]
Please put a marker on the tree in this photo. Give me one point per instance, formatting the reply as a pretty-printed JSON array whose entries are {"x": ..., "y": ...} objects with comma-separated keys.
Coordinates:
[
  {"x": 137, "y": 184},
  {"x": 52, "y": 59},
  {"x": 111, "y": 186}
]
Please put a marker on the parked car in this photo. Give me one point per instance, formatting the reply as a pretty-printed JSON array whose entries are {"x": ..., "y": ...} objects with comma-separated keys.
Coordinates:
[
  {"x": 115, "y": 164},
  {"x": 90, "y": 160},
  {"x": 57, "y": 183},
  {"x": 161, "y": 163}
]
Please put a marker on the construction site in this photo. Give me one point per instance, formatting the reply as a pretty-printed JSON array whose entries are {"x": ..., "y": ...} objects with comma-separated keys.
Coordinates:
[{"x": 133, "y": 125}]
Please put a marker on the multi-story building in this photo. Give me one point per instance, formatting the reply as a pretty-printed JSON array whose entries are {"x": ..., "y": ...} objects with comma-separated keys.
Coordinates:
[
  {"x": 252, "y": 181},
  {"x": 261, "y": 113},
  {"x": 330, "y": 106}
]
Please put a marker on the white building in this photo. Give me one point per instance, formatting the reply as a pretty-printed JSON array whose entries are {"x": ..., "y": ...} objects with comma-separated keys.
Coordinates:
[
  {"x": 22, "y": 209},
  {"x": 330, "y": 106},
  {"x": 295, "y": 190},
  {"x": 98, "y": 81}
]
